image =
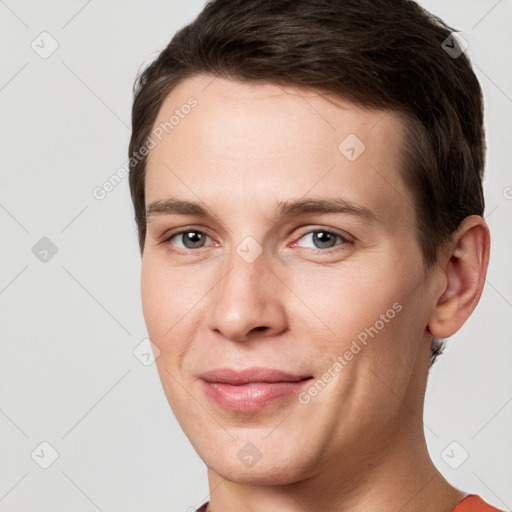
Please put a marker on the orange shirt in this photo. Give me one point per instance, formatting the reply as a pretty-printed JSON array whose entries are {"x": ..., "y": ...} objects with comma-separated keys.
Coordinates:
[{"x": 471, "y": 503}]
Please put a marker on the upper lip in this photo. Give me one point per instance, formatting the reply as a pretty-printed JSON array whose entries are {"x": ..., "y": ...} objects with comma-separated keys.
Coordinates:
[{"x": 232, "y": 376}]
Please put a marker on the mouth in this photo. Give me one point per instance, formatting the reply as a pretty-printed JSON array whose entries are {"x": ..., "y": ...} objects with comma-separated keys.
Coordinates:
[
  {"x": 250, "y": 375},
  {"x": 250, "y": 389}
]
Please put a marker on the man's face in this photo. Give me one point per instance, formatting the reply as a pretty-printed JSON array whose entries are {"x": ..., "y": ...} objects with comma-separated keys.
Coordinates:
[{"x": 309, "y": 292}]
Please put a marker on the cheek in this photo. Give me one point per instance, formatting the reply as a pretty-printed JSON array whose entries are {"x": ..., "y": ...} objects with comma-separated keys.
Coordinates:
[
  {"x": 349, "y": 298},
  {"x": 162, "y": 300},
  {"x": 152, "y": 305},
  {"x": 366, "y": 309},
  {"x": 171, "y": 305}
]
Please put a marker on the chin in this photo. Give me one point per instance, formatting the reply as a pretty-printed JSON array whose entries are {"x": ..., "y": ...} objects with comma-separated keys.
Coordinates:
[
  {"x": 259, "y": 476},
  {"x": 268, "y": 470}
]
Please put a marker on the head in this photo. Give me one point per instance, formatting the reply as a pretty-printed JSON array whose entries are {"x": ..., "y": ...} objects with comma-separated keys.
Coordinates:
[{"x": 327, "y": 157}]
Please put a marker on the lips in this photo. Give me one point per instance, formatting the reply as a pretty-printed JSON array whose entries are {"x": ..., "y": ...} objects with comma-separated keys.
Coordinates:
[
  {"x": 250, "y": 389},
  {"x": 248, "y": 375}
]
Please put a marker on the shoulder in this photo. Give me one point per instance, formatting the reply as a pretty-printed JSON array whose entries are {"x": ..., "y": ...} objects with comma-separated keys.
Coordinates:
[{"x": 474, "y": 503}]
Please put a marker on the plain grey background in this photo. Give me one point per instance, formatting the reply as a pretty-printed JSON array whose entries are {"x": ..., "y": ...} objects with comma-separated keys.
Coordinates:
[{"x": 70, "y": 305}]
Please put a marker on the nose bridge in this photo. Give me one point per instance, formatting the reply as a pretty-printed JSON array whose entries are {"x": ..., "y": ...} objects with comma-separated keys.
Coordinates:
[
  {"x": 246, "y": 297},
  {"x": 246, "y": 264},
  {"x": 244, "y": 283}
]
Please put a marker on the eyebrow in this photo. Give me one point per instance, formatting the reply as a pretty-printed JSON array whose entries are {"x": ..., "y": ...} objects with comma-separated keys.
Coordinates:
[{"x": 172, "y": 206}]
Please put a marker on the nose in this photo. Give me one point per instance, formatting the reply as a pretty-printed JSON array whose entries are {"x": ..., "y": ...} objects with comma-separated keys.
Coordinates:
[{"x": 249, "y": 301}]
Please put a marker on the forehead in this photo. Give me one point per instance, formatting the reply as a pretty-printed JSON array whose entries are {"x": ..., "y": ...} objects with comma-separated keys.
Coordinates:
[{"x": 267, "y": 143}]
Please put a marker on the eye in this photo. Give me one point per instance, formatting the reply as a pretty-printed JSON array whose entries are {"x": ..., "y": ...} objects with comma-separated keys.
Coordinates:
[
  {"x": 189, "y": 239},
  {"x": 323, "y": 239}
]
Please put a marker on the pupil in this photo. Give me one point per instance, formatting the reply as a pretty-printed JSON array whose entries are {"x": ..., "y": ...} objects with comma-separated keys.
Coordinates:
[
  {"x": 321, "y": 234},
  {"x": 190, "y": 237}
]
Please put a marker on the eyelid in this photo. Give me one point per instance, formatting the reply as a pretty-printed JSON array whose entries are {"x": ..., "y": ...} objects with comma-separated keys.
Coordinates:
[
  {"x": 186, "y": 229},
  {"x": 343, "y": 234},
  {"x": 345, "y": 238}
]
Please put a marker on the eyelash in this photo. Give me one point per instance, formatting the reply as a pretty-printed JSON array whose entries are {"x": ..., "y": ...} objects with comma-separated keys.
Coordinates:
[{"x": 344, "y": 240}]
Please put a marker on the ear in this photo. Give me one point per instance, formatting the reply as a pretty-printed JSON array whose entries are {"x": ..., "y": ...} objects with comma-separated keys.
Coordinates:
[{"x": 465, "y": 273}]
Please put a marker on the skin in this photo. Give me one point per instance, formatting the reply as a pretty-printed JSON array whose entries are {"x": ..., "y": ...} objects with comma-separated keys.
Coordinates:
[{"x": 359, "y": 444}]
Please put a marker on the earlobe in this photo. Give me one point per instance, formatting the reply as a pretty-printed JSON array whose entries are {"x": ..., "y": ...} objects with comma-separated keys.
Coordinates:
[{"x": 465, "y": 274}]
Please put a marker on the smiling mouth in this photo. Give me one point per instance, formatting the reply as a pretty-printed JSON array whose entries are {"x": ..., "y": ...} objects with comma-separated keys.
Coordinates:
[{"x": 251, "y": 395}]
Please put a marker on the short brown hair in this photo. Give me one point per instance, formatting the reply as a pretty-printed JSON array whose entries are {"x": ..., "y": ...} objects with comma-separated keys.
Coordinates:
[{"x": 381, "y": 54}]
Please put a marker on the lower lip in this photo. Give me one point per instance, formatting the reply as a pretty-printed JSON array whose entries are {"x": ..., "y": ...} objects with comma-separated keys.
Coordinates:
[{"x": 251, "y": 396}]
